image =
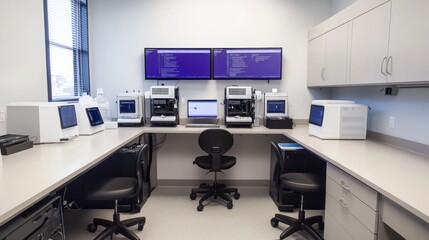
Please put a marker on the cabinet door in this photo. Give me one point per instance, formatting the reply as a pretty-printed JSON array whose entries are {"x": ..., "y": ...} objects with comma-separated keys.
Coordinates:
[
  {"x": 409, "y": 41},
  {"x": 316, "y": 61},
  {"x": 370, "y": 36},
  {"x": 336, "y": 55}
]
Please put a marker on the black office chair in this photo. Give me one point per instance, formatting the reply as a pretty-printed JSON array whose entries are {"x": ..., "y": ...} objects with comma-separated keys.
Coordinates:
[
  {"x": 303, "y": 183},
  {"x": 215, "y": 142},
  {"x": 116, "y": 188}
]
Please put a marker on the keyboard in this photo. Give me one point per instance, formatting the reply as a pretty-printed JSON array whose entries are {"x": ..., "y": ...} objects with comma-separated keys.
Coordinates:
[{"x": 202, "y": 125}]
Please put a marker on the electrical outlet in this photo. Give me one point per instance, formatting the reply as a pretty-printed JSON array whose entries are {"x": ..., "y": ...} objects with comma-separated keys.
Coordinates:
[
  {"x": 392, "y": 91},
  {"x": 391, "y": 122},
  {"x": 2, "y": 114}
]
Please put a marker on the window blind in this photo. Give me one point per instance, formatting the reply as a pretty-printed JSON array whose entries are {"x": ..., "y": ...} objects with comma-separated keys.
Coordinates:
[{"x": 67, "y": 49}]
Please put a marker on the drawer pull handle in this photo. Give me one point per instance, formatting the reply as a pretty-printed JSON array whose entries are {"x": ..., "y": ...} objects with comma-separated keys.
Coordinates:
[
  {"x": 344, "y": 185},
  {"x": 343, "y": 202}
]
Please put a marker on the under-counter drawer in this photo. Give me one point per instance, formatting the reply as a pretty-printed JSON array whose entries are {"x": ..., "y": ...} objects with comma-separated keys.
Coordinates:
[
  {"x": 351, "y": 203},
  {"x": 354, "y": 186},
  {"x": 350, "y": 223},
  {"x": 334, "y": 230}
]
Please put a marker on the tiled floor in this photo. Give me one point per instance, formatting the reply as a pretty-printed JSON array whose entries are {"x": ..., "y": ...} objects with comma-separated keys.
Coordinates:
[{"x": 170, "y": 214}]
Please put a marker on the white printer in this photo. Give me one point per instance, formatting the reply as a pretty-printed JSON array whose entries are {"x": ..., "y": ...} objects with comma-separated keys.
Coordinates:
[
  {"x": 45, "y": 122},
  {"x": 335, "y": 119}
]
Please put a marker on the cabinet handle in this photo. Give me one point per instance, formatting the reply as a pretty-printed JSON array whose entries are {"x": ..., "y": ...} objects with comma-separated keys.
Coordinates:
[
  {"x": 387, "y": 65},
  {"x": 343, "y": 202},
  {"x": 382, "y": 65},
  {"x": 344, "y": 185}
]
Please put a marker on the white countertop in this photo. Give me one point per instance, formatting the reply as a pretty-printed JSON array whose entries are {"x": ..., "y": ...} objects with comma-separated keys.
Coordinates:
[
  {"x": 397, "y": 174},
  {"x": 30, "y": 175}
]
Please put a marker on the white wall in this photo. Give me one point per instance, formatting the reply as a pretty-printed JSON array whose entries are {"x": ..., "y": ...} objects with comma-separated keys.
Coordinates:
[
  {"x": 22, "y": 53},
  {"x": 409, "y": 107},
  {"x": 120, "y": 30}
]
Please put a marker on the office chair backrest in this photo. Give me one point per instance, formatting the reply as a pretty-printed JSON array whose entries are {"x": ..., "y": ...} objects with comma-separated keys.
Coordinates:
[
  {"x": 141, "y": 158},
  {"x": 279, "y": 165},
  {"x": 215, "y": 142}
]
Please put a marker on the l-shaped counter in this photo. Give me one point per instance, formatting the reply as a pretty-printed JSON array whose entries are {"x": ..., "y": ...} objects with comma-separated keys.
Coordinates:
[{"x": 28, "y": 176}]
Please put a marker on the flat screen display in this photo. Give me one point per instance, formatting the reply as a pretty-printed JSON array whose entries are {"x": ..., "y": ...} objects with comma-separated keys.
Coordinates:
[
  {"x": 127, "y": 106},
  {"x": 94, "y": 116},
  {"x": 276, "y": 106},
  {"x": 177, "y": 63},
  {"x": 247, "y": 63},
  {"x": 202, "y": 108},
  {"x": 316, "y": 115},
  {"x": 67, "y": 116}
]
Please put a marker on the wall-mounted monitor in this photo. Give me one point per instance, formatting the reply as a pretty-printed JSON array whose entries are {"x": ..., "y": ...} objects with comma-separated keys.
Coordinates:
[
  {"x": 177, "y": 63},
  {"x": 67, "y": 116},
  {"x": 247, "y": 63},
  {"x": 202, "y": 108}
]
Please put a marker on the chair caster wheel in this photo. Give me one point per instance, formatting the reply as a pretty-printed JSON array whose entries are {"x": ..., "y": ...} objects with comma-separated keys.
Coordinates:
[
  {"x": 236, "y": 196},
  {"x": 200, "y": 208},
  {"x": 140, "y": 226},
  {"x": 321, "y": 225},
  {"x": 229, "y": 205},
  {"x": 92, "y": 227},
  {"x": 274, "y": 222},
  {"x": 193, "y": 196}
]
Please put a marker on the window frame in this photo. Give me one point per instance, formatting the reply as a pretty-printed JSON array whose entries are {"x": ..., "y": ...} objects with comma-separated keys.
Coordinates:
[{"x": 76, "y": 66}]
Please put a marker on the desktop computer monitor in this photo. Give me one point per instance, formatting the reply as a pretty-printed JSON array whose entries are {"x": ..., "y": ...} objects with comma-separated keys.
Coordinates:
[{"x": 202, "y": 108}]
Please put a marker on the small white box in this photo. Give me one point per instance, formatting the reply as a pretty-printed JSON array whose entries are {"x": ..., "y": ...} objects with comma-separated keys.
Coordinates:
[{"x": 89, "y": 118}]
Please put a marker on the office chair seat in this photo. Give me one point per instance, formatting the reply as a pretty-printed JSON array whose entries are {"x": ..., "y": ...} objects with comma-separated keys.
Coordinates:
[
  {"x": 117, "y": 188},
  {"x": 205, "y": 162},
  {"x": 110, "y": 188},
  {"x": 303, "y": 183}
]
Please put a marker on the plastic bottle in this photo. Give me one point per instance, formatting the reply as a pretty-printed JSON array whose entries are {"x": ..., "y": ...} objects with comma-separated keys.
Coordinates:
[
  {"x": 103, "y": 104},
  {"x": 85, "y": 98}
]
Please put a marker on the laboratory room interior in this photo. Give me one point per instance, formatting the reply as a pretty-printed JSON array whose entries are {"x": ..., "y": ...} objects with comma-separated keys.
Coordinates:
[{"x": 214, "y": 119}]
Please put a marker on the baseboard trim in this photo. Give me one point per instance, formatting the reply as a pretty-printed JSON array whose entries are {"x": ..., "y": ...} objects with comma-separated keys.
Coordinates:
[{"x": 229, "y": 182}]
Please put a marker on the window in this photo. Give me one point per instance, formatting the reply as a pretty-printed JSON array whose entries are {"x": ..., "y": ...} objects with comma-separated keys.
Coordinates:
[{"x": 67, "y": 55}]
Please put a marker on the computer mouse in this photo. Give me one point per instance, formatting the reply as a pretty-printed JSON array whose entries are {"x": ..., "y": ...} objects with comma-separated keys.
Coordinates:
[
  {"x": 236, "y": 116},
  {"x": 162, "y": 116}
]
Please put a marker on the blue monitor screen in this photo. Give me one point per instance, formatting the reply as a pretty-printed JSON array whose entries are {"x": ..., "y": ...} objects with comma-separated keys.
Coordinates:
[
  {"x": 247, "y": 63},
  {"x": 127, "y": 106},
  {"x": 94, "y": 116},
  {"x": 178, "y": 63},
  {"x": 202, "y": 108},
  {"x": 316, "y": 115},
  {"x": 276, "y": 106},
  {"x": 67, "y": 116}
]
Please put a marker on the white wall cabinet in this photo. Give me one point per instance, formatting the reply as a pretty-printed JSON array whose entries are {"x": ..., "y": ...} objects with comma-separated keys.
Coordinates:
[
  {"x": 370, "y": 40},
  {"x": 387, "y": 43},
  {"x": 316, "y": 61},
  {"x": 408, "y": 59},
  {"x": 327, "y": 58}
]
